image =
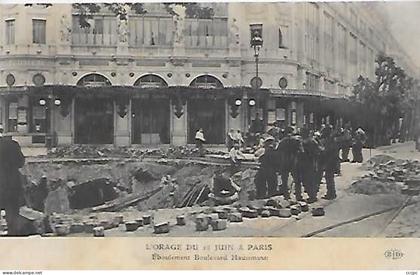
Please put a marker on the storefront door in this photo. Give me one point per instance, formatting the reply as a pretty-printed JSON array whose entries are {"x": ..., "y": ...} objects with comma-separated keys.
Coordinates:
[
  {"x": 94, "y": 121},
  {"x": 210, "y": 115},
  {"x": 150, "y": 121}
]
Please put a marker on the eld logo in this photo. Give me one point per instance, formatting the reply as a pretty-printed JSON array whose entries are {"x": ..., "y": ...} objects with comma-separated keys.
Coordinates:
[{"x": 393, "y": 254}]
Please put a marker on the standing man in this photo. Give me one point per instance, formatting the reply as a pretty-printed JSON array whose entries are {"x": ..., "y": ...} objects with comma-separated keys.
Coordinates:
[
  {"x": 199, "y": 141},
  {"x": 11, "y": 189},
  {"x": 345, "y": 146},
  {"x": 288, "y": 151},
  {"x": 308, "y": 164},
  {"x": 358, "y": 143},
  {"x": 266, "y": 177},
  {"x": 329, "y": 161}
]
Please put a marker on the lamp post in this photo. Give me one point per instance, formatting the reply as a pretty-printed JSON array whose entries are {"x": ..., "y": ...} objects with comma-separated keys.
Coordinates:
[
  {"x": 50, "y": 103},
  {"x": 256, "y": 44}
]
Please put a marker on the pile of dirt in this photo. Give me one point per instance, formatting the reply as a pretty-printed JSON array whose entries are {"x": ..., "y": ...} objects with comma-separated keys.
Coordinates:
[{"x": 373, "y": 187}]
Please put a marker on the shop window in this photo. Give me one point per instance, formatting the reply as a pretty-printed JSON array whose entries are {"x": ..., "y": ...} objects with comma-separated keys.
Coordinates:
[
  {"x": 39, "y": 31},
  {"x": 10, "y": 31},
  {"x": 12, "y": 116},
  {"x": 206, "y": 81}
]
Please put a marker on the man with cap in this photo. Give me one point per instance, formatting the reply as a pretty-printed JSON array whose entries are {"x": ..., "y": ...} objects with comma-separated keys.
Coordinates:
[
  {"x": 288, "y": 151},
  {"x": 11, "y": 189},
  {"x": 266, "y": 177}
]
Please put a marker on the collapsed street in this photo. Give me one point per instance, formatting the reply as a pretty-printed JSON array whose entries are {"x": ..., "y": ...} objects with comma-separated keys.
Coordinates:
[{"x": 157, "y": 194}]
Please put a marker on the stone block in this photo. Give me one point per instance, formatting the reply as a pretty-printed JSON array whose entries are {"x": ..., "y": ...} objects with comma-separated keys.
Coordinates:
[
  {"x": 212, "y": 217},
  {"x": 98, "y": 231},
  {"x": 318, "y": 212},
  {"x": 235, "y": 217},
  {"x": 180, "y": 220},
  {"x": 218, "y": 225},
  {"x": 131, "y": 226},
  {"x": 161, "y": 228},
  {"x": 147, "y": 219},
  {"x": 285, "y": 213},
  {"x": 304, "y": 207},
  {"x": 209, "y": 210},
  {"x": 106, "y": 224},
  {"x": 62, "y": 229},
  {"x": 201, "y": 223},
  {"x": 117, "y": 220},
  {"x": 139, "y": 222},
  {"x": 295, "y": 210},
  {"x": 412, "y": 183},
  {"x": 89, "y": 226},
  {"x": 77, "y": 228},
  {"x": 410, "y": 191},
  {"x": 265, "y": 213},
  {"x": 273, "y": 211},
  {"x": 278, "y": 202},
  {"x": 249, "y": 213},
  {"x": 222, "y": 214}
]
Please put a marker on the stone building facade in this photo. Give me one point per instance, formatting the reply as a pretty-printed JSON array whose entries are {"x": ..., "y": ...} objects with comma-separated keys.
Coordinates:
[{"x": 156, "y": 78}]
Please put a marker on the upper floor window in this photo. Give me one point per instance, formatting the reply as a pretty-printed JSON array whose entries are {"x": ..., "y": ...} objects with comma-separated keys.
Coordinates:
[
  {"x": 10, "y": 31},
  {"x": 206, "y": 33},
  {"x": 150, "y": 31},
  {"x": 39, "y": 31},
  {"x": 103, "y": 30},
  {"x": 281, "y": 39}
]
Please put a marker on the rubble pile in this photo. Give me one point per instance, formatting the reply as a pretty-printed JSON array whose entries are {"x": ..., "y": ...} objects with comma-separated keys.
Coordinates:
[
  {"x": 94, "y": 151},
  {"x": 388, "y": 175}
]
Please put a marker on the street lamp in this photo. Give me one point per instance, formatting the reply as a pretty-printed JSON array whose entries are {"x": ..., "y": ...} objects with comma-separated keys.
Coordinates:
[{"x": 256, "y": 43}]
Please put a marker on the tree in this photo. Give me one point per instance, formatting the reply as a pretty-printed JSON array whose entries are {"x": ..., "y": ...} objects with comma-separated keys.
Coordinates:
[
  {"x": 86, "y": 11},
  {"x": 385, "y": 100}
]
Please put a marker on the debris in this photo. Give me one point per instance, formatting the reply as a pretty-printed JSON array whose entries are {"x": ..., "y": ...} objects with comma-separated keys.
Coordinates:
[
  {"x": 265, "y": 213},
  {"x": 139, "y": 222},
  {"x": 218, "y": 225},
  {"x": 77, "y": 228},
  {"x": 161, "y": 228},
  {"x": 304, "y": 207},
  {"x": 248, "y": 213},
  {"x": 235, "y": 217},
  {"x": 98, "y": 231},
  {"x": 295, "y": 210},
  {"x": 201, "y": 223},
  {"x": 117, "y": 220},
  {"x": 223, "y": 214},
  {"x": 131, "y": 226},
  {"x": 180, "y": 220},
  {"x": 285, "y": 213},
  {"x": 278, "y": 202},
  {"x": 62, "y": 229},
  {"x": 317, "y": 212}
]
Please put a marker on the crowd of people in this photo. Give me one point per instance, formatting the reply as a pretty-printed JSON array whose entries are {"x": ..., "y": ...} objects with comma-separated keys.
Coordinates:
[{"x": 303, "y": 154}]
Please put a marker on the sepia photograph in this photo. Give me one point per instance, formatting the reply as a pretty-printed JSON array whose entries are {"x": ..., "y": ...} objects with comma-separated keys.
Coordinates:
[{"x": 227, "y": 119}]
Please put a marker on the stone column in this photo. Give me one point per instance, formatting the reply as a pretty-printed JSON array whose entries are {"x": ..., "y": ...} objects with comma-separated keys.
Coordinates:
[
  {"x": 23, "y": 118},
  {"x": 179, "y": 20},
  {"x": 300, "y": 113},
  {"x": 63, "y": 120},
  {"x": 64, "y": 29}
]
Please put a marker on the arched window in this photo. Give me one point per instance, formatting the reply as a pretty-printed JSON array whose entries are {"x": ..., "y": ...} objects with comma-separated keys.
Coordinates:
[
  {"x": 151, "y": 81},
  {"x": 94, "y": 80},
  {"x": 206, "y": 81}
]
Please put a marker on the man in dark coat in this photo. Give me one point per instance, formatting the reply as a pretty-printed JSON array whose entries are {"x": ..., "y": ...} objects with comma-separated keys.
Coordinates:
[
  {"x": 266, "y": 177},
  {"x": 11, "y": 190},
  {"x": 288, "y": 151},
  {"x": 308, "y": 164},
  {"x": 358, "y": 143},
  {"x": 346, "y": 143},
  {"x": 329, "y": 160}
]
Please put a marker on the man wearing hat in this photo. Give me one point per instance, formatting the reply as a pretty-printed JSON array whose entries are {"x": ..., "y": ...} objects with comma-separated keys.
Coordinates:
[
  {"x": 287, "y": 153},
  {"x": 266, "y": 177}
]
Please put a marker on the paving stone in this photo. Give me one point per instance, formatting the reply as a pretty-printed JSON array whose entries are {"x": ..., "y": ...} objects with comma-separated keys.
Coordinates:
[
  {"x": 131, "y": 226},
  {"x": 147, "y": 219},
  {"x": 62, "y": 229},
  {"x": 139, "y": 222},
  {"x": 304, "y": 207},
  {"x": 222, "y": 214},
  {"x": 98, "y": 231},
  {"x": 265, "y": 213},
  {"x": 412, "y": 182},
  {"x": 295, "y": 210},
  {"x": 235, "y": 217},
  {"x": 119, "y": 219},
  {"x": 250, "y": 213},
  {"x": 285, "y": 213},
  {"x": 273, "y": 211},
  {"x": 161, "y": 228},
  {"x": 278, "y": 202},
  {"x": 218, "y": 225},
  {"x": 77, "y": 228},
  {"x": 209, "y": 210},
  {"x": 180, "y": 220},
  {"x": 201, "y": 222},
  {"x": 89, "y": 226},
  {"x": 212, "y": 217},
  {"x": 106, "y": 224},
  {"x": 317, "y": 212}
]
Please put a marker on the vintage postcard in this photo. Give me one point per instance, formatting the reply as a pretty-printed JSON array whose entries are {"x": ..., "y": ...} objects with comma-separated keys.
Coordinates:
[{"x": 210, "y": 135}]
